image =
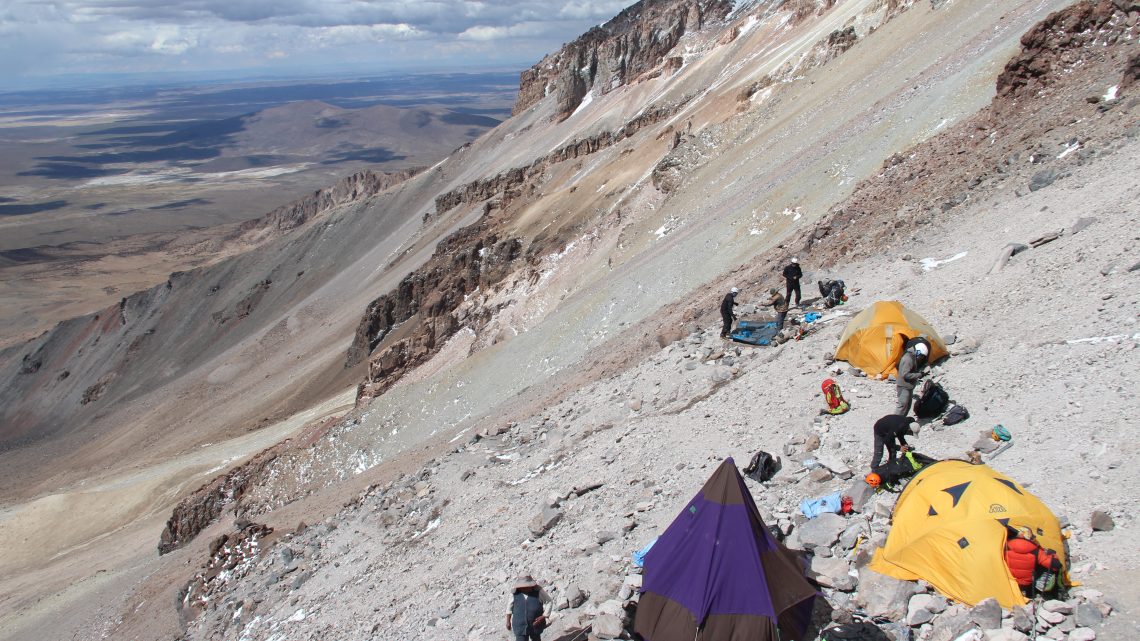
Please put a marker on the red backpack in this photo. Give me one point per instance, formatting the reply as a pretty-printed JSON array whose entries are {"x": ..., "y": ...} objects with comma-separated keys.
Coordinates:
[{"x": 835, "y": 402}]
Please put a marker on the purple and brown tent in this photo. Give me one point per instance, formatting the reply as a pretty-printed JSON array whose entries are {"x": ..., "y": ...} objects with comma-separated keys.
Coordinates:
[{"x": 717, "y": 573}]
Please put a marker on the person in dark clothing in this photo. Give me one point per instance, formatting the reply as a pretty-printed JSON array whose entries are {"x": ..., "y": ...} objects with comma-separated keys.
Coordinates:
[
  {"x": 793, "y": 274},
  {"x": 909, "y": 373},
  {"x": 530, "y": 610},
  {"x": 779, "y": 305},
  {"x": 890, "y": 434},
  {"x": 726, "y": 312},
  {"x": 832, "y": 292}
]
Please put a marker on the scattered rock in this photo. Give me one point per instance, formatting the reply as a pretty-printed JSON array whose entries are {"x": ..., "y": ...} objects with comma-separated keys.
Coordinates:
[
  {"x": 1082, "y": 223},
  {"x": 668, "y": 337},
  {"x": 607, "y": 626},
  {"x": 820, "y": 475},
  {"x": 1052, "y": 618},
  {"x": 1046, "y": 238},
  {"x": 605, "y": 536},
  {"x": 832, "y": 572},
  {"x": 1053, "y": 605},
  {"x": 575, "y": 597},
  {"x": 987, "y": 614},
  {"x": 884, "y": 596},
  {"x": 860, "y": 493},
  {"x": 918, "y": 610},
  {"x": 1082, "y": 634},
  {"x": 543, "y": 521},
  {"x": 951, "y": 625},
  {"x": 1043, "y": 178},
  {"x": 822, "y": 531},
  {"x": 1009, "y": 251},
  {"x": 1022, "y": 619},
  {"x": 1101, "y": 521},
  {"x": 1005, "y": 635},
  {"x": 1088, "y": 615},
  {"x": 811, "y": 443},
  {"x": 965, "y": 346}
]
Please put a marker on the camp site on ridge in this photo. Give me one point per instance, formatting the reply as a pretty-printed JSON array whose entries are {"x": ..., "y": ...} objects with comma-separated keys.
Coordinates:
[{"x": 544, "y": 397}]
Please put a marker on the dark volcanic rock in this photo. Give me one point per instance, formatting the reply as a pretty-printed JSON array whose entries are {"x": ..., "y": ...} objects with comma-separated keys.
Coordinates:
[{"x": 631, "y": 46}]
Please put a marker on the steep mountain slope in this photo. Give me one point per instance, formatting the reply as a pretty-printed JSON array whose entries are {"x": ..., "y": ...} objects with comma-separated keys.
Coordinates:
[
  {"x": 602, "y": 459},
  {"x": 574, "y": 229}
]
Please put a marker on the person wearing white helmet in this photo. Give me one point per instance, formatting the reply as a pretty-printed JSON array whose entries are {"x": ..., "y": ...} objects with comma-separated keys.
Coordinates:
[
  {"x": 727, "y": 314},
  {"x": 909, "y": 373},
  {"x": 792, "y": 275}
]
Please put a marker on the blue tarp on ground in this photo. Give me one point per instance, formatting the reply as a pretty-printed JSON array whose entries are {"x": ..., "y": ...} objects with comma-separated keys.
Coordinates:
[{"x": 755, "y": 332}]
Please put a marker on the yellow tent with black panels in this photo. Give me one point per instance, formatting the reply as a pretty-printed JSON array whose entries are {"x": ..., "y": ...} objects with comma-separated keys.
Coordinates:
[
  {"x": 949, "y": 528},
  {"x": 874, "y": 339}
]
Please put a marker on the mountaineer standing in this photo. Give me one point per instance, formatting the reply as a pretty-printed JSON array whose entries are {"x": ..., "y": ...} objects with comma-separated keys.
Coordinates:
[
  {"x": 793, "y": 274},
  {"x": 530, "y": 610},
  {"x": 909, "y": 372},
  {"x": 727, "y": 315}
]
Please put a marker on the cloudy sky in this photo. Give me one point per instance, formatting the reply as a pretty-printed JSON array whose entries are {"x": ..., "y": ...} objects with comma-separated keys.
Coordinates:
[{"x": 43, "y": 38}]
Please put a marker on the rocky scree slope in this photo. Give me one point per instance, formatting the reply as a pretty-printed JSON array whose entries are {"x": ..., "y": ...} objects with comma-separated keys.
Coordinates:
[
  {"x": 569, "y": 492},
  {"x": 401, "y": 331},
  {"x": 1106, "y": 127}
]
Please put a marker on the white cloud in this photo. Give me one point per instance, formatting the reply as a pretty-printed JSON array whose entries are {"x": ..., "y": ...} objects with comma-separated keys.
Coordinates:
[
  {"x": 485, "y": 33},
  {"x": 44, "y": 37}
]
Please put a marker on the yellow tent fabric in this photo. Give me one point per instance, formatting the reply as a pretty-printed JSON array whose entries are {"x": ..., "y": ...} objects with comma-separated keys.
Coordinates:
[
  {"x": 873, "y": 340},
  {"x": 949, "y": 528}
]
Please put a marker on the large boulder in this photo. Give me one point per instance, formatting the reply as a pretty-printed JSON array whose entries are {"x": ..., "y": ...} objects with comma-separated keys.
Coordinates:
[
  {"x": 608, "y": 626},
  {"x": 952, "y": 624},
  {"x": 822, "y": 531},
  {"x": 884, "y": 596},
  {"x": 832, "y": 572},
  {"x": 987, "y": 614},
  {"x": 544, "y": 520}
]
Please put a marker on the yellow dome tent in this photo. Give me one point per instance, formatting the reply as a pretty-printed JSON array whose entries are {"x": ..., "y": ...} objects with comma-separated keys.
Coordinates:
[
  {"x": 873, "y": 340},
  {"x": 949, "y": 528}
]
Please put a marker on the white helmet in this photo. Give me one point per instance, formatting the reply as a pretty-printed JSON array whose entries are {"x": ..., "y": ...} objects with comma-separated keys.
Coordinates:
[
  {"x": 795, "y": 260},
  {"x": 920, "y": 349},
  {"x": 735, "y": 290}
]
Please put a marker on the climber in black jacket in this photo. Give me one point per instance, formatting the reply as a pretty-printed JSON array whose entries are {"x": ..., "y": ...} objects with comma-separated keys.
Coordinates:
[
  {"x": 726, "y": 313},
  {"x": 793, "y": 274}
]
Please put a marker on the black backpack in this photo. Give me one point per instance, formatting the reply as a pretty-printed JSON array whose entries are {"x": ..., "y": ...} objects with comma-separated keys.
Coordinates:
[
  {"x": 762, "y": 467},
  {"x": 932, "y": 401},
  {"x": 956, "y": 414},
  {"x": 855, "y": 631}
]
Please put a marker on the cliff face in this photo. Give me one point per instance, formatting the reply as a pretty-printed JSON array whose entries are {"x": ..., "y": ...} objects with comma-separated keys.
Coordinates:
[
  {"x": 346, "y": 190},
  {"x": 410, "y": 323},
  {"x": 616, "y": 53}
]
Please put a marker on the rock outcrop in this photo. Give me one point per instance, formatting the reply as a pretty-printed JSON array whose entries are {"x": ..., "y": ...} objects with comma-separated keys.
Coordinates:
[
  {"x": 507, "y": 186},
  {"x": 616, "y": 53},
  {"x": 198, "y": 510},
  {"x": 352, "y": 188},
  {"x": 422, "y": 305},
  {"x": 1051, "y": 48}
]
